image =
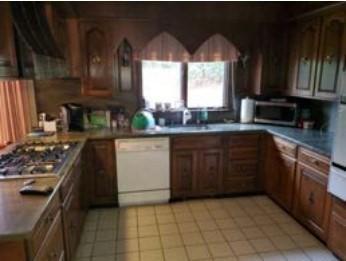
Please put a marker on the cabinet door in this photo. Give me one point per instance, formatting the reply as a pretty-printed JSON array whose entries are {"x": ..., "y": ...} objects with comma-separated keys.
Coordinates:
[
  {"x": 97, "y": 61},
  {"x": 331, "y": 55},
  {"x": 210, "y": 171},
  {"x": 312, "y": 200},
  {"x": 184, "y": 169},
  {"x": 307, "y": 47},
  {"x": 337, "y": 229},
  {"x": 8, "y": 60},
  {"x": 103, "y": 176}
]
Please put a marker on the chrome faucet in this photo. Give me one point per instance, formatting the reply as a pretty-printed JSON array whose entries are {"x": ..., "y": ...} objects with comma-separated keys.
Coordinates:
[{"x": 186, "y": 116}]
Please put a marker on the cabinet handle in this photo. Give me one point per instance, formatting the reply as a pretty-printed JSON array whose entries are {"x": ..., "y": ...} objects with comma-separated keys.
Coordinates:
[{"x": 311, "y": 198}]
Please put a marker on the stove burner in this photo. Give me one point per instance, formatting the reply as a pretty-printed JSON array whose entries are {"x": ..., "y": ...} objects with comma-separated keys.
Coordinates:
[{"x": 35, "y": 158}]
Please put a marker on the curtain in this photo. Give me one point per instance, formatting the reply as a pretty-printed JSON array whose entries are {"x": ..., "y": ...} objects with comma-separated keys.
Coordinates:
[
  {"x": 216, "y": 48},
  {"x": 17, "y": 110},
  {"x": 164, "y": 47}
]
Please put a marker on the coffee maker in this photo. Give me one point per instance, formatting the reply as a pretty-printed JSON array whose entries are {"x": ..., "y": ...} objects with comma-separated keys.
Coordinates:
[{"x": 72, "y": 115}]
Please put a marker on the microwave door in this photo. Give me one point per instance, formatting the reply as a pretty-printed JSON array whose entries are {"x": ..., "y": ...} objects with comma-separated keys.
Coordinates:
[{"x": 339, "y": 149}]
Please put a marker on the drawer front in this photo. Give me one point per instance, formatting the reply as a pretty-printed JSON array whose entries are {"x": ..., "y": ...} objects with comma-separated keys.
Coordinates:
[
  {"x": 240, "y": 185},
  {"x": 250, "y": 153},
  {"x": 45, "y": 222},
  {"x": 314, "y": 160},
  {"x": 246, "y": 140},
  {"x": 242, "y": 168},
  {"x": 52, "y": 248},
  {"x": 285, "y": 147},
  {"x": 198, "y": 142}
]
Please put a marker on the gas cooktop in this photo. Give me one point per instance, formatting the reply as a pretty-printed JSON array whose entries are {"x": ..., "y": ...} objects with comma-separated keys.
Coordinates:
[{"x": 35, "y": 159}]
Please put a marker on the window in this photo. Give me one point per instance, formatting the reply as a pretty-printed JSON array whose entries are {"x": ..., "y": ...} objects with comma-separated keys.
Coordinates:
[
  {"x": 161, "y": 82},
  {"x": 206, "y": 85}
]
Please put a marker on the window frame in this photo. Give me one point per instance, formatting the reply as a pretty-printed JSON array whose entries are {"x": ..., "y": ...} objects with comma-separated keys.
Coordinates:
[{"x": 228, "y": 85}]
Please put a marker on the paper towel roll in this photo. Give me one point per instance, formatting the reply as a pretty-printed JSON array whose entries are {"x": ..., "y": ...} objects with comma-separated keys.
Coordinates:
[{"x": 247, "y": 110}]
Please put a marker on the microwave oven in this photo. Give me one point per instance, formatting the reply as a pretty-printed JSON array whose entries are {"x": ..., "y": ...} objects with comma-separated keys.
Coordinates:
[{"x": 279, "y": 113}]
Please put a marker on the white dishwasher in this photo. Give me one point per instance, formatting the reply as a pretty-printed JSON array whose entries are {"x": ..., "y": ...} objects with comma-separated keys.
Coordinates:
[{"x": 142, "y": 170}]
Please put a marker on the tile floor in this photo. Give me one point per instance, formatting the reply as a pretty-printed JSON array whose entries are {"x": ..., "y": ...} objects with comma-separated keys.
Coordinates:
[{"x": 244, "y": 228}]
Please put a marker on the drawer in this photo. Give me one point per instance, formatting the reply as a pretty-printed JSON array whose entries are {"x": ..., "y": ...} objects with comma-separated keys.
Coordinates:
[
  {"x": 314, "y": 160},
  {"x": 250, "y": 153},
  {"x": 240, "y": 185},
  {"x": 243, "y": 140},
  {"x": 45, "y": 222},
  {"x": 52, "y": 248},
  {"x": 197, "y": 142},
  {"x": 285, "y": 147},
  {"x": 242, "y": 168}
]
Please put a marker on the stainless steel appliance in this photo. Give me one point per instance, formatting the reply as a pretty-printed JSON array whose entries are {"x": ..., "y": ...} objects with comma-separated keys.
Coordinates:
[
  {"x": 280, "y": 113},
  {"x": 72, "y": 116},
  {"x": 337, "y": 177},
  {"x": 35, "y": 159}
]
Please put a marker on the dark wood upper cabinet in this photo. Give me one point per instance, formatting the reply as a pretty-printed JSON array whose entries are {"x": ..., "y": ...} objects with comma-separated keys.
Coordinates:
[
  {"x": 8, "y": 59},
  {"x": 307, "y": 48},
  {"x": 97, "y": 78},
  {"x": 331, "y": 55}
]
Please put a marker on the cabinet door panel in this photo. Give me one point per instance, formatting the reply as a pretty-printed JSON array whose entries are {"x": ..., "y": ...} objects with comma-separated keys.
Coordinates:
[
  {"x": 210, "y": 173},
  {"x": 184, "y": 168},
  {"x": 286, "y": 169},
  {"x": 307, "y": 56},
  {"x": 331, "y": 56}
]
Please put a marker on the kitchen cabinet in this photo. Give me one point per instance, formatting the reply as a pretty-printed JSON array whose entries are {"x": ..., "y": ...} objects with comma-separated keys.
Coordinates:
[
  {"x": 102, "y": 173},
  {"x": 337, "y": 228},
  {"x": 197, "y": 166},
  {"x": 280, "y": 171},
  {"x": 8, "y": 59},
  {"x": 96, "y": 58},
  {"x": 312, "y": 201},
  {"x": 331, "y": 60},
  {"x": 242, "y": 164}
]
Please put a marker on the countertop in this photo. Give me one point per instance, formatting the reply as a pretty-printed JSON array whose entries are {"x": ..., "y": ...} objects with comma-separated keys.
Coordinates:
[{"x": 320, "y": 142}]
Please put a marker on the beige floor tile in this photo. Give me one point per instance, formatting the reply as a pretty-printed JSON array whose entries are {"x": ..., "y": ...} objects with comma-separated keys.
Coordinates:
[
  {"x": 262, "y": 245},
  {"x": 281, "y": 218},
  {"x": 272, "y": 230},
  {"x": 88, "y": 237},
  {"x": 133, "y": 256},
  {"x": 110, "y": 224},
  {"x": 143, "y": 211},
  {"x": 207, "y": 225},
  {"x": 104, "y": 258},
  {"x": 188, "y": 227},
  {"x": 172, "y": 241},
  {"x": 175, "y": 254},
  {"x": 193, "y": 238},
  {"x": 283, "y": 243},
  {"x": 84, "y": 250},
  {"x": 253, "y": 257},
  {"x": 254, "y": 210},
  {"x": 149, "y": 243},
  {"x": 244, "y": 222},
  {"x": 319, "y": 254},
  {"x": 232, "y": 235},
  {"x": 229, "y": 258},
  {"x": 202, "y": 215},
  {"x": 104, "y": 248},
  {"x": 220, "y": 250},
  {"x": 165, "y": 218},
  {"x": 198, "y": 252},
  {"x": 128, "y": 222},
  {"x": 180, "y": 207},
  {"x": 219, "y": 214},
  {"x": 184, "y": 217},
  {"x": 305, "y": 240},
  {"x": 213, "y": 236},
  {"x": 226, "y": 223},
  {"x": 129, "y": 245},
  {"x": 272, "y": 256},
  {"x": 146, "y": 220},
  {"x": 127, "y": 213},
  {"x": 127, "y": 232},
  {"x": 253, "y": 232},
  {"x": 263, "y": 220},
  {"x": 212, "y": 204},
  {"x": 236, "y": 212},
  {"x": 197, "y": 205},
  {"x": 292, "y": 228},
  {"x": 152, "y": 255},
  {"x": 168, "y": 229},
  {"x": 241, "y": 248},
  {"x": 295, "y": 255},
  {"x": 106, "y": 235},
  {"x": 148, "y": 231},
  {"x": 163, "y": 209},
  {"x": 90, "y": 226}
]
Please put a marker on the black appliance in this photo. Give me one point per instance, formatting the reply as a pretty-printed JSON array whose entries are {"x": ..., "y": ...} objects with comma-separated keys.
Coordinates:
[{"x": 72, "y": 115}]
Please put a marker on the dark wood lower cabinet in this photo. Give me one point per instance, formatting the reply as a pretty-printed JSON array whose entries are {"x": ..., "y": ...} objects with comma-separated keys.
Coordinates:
[
  {"x": 102, "y": 173},
  {"x": 312, "y": 202},
  {"x": 337, "y": 228}
]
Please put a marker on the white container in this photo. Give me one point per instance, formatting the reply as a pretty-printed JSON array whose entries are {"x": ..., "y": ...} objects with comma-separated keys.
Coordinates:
[
  {"x": 50, "y": 126},
  {"x": 247, "y": 110}
]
